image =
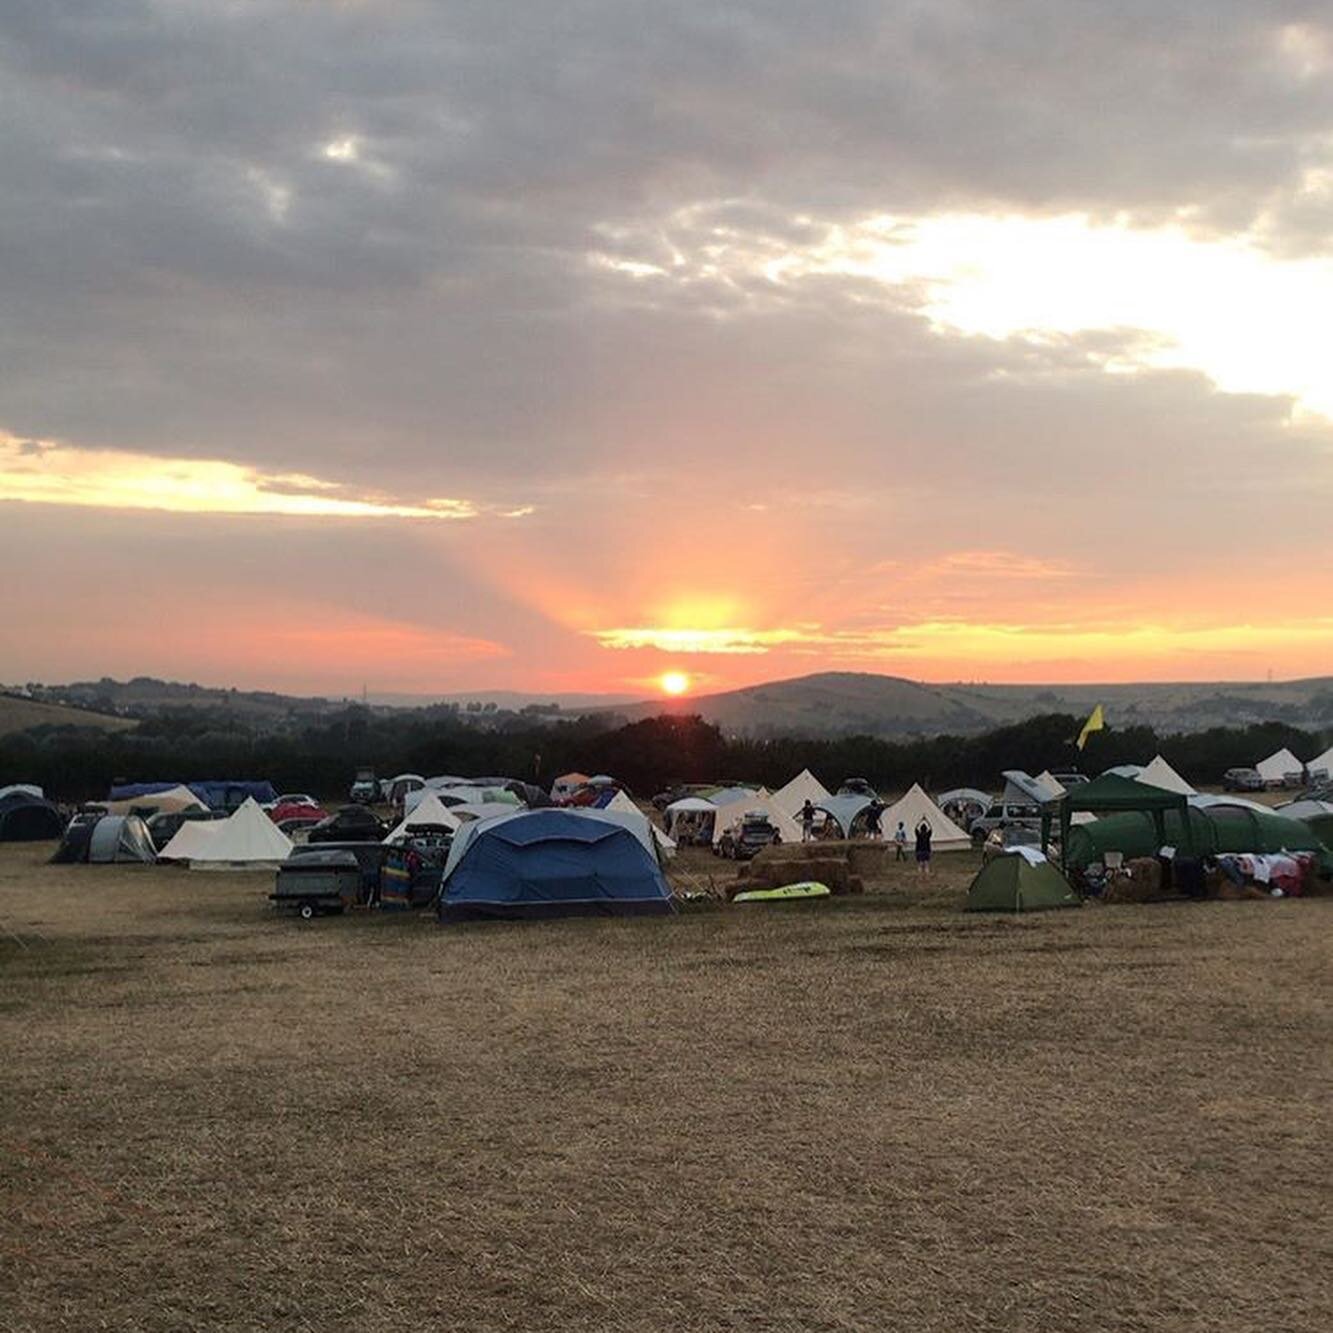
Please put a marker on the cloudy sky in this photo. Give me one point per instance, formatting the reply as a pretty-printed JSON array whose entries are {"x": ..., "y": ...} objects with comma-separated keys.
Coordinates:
[{"x": 447, "y": 344}]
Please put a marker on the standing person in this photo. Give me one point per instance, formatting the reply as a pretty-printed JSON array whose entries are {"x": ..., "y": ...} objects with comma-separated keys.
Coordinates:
[
  {"x": 807, "y": 821},
  {"x": 924, "y": 833},
  {"x": 873, "y": 812},
  {"x": 900, "y": 842}
]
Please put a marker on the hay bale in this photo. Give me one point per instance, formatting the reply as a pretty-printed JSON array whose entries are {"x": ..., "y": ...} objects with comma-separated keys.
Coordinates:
[
  {"x": 797, "y": 851},
  {"x": 866, "y": 859},
  {"x": 1139, "y": 881}
]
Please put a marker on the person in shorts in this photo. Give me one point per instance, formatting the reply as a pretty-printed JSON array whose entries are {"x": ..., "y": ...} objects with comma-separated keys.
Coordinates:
[{"x": 900, "y": 842}]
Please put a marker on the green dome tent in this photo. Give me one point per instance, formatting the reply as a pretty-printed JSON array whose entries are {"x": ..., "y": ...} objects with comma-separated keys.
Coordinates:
[
  {"x": 1012, "y": 883},
  {"x": 1217, "y": 828}
]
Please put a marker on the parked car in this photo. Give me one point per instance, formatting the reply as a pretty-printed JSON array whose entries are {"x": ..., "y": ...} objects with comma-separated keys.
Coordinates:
[
  {"x": 287, "y": 810},
  {"x": 856, "y": 787},
  {"x": 292, "y": 798},
  {"x": 1003, "y": 814},
  {"x": 297, "y": 829},
  {"x": 747, "y": 837},
  {"x": 164, "y": 826},
  {"x": 1242, "y": 779},
  {"x": 364, "y": 789},
  {"x": 678, "y": 792},
  {"x": 1070, "y": 779},
  {"x": 353, "y": 823}
]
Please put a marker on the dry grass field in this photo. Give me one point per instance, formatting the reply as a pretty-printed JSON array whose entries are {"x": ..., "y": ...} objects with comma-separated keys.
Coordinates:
[{"x": 861, "y": 1114}]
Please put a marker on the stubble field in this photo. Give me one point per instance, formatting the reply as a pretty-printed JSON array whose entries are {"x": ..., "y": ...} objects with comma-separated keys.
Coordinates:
[{"x": 874, "y": 1113}]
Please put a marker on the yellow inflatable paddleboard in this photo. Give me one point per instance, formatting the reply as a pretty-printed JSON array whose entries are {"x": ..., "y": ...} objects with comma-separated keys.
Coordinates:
[{"x": 787, "y": 893}]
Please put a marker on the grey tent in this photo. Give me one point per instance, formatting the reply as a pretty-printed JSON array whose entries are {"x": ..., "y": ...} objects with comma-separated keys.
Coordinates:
[{"x": 105, "y": 839}]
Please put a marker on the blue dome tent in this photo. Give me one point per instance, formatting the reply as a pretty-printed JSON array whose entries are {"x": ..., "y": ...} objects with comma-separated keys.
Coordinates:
[{"x": 545, "y": 863}]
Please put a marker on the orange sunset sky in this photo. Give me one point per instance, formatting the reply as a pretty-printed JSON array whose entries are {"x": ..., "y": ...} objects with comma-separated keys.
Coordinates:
[{"x": 451, "y": 347}]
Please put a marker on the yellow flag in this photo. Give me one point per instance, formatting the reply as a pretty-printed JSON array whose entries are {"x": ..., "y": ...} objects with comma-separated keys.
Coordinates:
[{"x": 1096, "y": 722}]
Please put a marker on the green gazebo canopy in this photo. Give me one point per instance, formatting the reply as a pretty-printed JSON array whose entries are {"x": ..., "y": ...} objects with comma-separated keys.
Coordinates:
[{"x": 1111, "y": 794}]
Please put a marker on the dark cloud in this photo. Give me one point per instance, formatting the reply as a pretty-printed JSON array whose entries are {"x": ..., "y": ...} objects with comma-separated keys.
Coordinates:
[{"x": 354, "y": 240}]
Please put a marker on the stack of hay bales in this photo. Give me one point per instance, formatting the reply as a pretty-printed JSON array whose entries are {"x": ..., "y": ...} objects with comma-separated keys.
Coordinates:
[{"x": 836, "y": 864}]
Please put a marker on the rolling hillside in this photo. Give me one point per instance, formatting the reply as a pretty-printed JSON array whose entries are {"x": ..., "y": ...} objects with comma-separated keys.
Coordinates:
[
  {"x": 847, "y": 703},
  {"x": 18, "y": 714}
]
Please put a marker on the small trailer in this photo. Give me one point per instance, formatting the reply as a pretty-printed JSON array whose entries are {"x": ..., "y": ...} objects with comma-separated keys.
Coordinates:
[{"x": 318, "y": 882}]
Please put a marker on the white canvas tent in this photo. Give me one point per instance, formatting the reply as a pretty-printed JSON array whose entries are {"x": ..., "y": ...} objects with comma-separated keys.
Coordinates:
[
  {"x": 636, "y": 821},
  {"x": 171, "y": 801},
  {"x": 1321, "y": 766},
  {"x": 727, "y": 815},
  {"x": 916, "y": 806},
  {"x": 429, "y": 810},
  {"x": 622, "y": 802},
  {"x": 803, "y": 787},
  {"x": 1276, "y": 767},
  {"x": 465, "y": 794},
  {"x": 1160, "y": 774},
  {"x": 249, "y": 840},
  {"x": 190, "y": 839}
]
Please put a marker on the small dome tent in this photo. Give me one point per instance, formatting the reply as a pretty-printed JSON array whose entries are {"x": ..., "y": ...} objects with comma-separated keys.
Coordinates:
[
  {"x": 105, "y": 839},
  {"x": 28, "y": 818},
  {"x": 1016, "y": 883}
]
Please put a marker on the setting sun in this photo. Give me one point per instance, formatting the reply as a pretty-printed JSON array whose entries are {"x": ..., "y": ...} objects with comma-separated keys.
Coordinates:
[{"x": 674, "y": 682}]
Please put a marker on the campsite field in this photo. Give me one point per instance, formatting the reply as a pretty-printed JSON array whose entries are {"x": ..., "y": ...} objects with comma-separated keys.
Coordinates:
[{"x": 873, "y": 1113}]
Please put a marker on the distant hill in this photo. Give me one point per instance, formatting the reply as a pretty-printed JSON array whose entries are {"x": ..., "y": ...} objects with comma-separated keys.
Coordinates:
[
  {"x": 145, "y": 696},
  {"x": 852, "y": 703},
  {"x": 512, "y": 699},
  {"x": 18, "y": 714},
  {"x": 831, "y": 703}
]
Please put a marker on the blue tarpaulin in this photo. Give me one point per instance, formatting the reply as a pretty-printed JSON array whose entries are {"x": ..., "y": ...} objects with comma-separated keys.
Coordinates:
[{"x": 216, "y": 793}]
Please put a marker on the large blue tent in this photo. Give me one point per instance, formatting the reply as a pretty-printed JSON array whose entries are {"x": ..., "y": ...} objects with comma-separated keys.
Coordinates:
[{"x": 544, "y": 863}]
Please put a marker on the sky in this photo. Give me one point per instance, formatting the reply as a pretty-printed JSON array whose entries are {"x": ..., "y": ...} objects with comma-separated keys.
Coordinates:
[{"x": 474, "y": 344}]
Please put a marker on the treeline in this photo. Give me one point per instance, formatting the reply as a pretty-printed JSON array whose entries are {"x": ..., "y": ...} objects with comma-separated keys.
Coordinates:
[{"x": 79, "y": 764}]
